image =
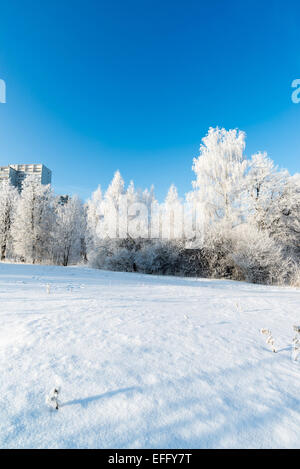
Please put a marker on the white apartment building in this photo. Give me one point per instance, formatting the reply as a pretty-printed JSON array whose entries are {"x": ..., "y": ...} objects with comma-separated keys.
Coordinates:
[{"x": 16, "y": 173}]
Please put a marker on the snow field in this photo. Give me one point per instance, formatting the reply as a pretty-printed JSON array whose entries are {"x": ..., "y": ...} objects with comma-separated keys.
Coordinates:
[{"x": 145, "y": 361}]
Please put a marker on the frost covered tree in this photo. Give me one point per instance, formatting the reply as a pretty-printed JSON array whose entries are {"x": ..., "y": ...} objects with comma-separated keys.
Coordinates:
[
  {"x": 134, "y": 215},
  {"x": 274, "y": 201},
  {"x": 263, "y": 179},
  {"x": 284, "y": 219},
  {"x": 116, "y": 188},
  {"x": 113, "y": 221},
  {"x": 172, "y": 215},
  {"x": 132, "y": 199},
  {"x": 148, "y": 198},
  {"x": 220, "y": 171},
  {"x": 93, "y": 214},
  {"x": 131, "y": 194},
  {"x": 8, "y": 200},
  {"x": 69, "y": 231},
  {"x": 33, "y": 221},
  {"x": 264, "y": 185}
]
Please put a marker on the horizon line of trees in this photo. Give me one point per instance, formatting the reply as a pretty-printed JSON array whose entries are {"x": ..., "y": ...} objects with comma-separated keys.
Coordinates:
[{"x": 249, "y": 214}]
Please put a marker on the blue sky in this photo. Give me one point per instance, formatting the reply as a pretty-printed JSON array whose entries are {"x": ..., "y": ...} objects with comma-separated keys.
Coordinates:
[{"x": 134, "y": 85}]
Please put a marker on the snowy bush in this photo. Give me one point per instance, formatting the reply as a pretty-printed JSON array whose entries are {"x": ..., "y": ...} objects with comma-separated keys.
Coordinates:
[
  {"x": 217, "y": 251},
  {"x": 295, "y": 276},
  {"x": 121, "y": 260},
  {"x": 158, "y": 257},
  {"x": 194, "y": 262},
  {"x": 117, "y": 255},
  {"x": 146, "y": 256},
  {"x": 258, "y": 256}
]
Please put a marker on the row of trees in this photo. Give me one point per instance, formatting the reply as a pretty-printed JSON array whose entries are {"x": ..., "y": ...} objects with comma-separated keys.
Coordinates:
[{"x": 241, "y": 220}]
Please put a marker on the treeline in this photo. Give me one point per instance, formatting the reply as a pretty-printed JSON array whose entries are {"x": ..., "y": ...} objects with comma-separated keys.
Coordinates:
[{"x": 240, "y": 221}]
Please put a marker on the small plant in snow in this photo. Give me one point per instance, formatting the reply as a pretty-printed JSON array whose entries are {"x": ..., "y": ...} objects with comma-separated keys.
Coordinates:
[
  {"x": 52, "y": 399},
  {"x": 269, "y": 340},
  {"x": 296, "y": 343}
]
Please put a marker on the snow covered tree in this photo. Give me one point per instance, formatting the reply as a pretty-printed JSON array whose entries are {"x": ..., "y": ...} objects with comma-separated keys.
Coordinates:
[
  {"x": 116, "y": 188},
  {"x": 148, "y": 198},
  {"x": 8, "y": 200},
  {"x": 131, "y": 194},
  {"x": 220, "y": 171},
  {"x": 172, "y": 216},
  {"x": 263, "y": 178},
  {"x": 32, "y": 226},
  {"x": 69, "y": 231},
  {"x": 132, "y": 198},
  {"x": 264, "y": 184},
  {"x": 112, "y": 208},
  {"x": 274, "y": 201},
  {"x": 93, "y": 214}
]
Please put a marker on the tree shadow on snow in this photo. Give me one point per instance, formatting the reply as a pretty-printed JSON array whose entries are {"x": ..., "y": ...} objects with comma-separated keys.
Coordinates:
[{"x": 84, "y": 402}]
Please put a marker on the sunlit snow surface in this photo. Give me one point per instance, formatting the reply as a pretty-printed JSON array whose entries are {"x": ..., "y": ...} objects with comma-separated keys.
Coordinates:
[{"x": 145, "y": 361}]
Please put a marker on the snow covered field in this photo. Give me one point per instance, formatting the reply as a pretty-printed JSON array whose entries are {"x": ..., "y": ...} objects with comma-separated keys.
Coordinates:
[{"x": 145, "y": 361}]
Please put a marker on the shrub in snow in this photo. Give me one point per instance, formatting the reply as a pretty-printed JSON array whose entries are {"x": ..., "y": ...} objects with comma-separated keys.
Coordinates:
[
  {"x": 217, "y": 250},
  {"x": 258, "y": 256},
  {"x": 295, "y": 276},
  {"x": 269, "y": 340},
  {"x": 137, "y": 255},
  {"x": 117, "y": 255},
  {"x": 120, "y": 260},
  {"x": 158, "y": 257},
  {"x": 193, "y": 262}
]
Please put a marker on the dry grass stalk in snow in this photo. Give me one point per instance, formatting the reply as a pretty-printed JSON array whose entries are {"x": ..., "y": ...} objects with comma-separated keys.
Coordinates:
[
  {"x": 52, "y": 399},
  {"x": 270, "y": 340},
  {"x": 296, "y": 343}
]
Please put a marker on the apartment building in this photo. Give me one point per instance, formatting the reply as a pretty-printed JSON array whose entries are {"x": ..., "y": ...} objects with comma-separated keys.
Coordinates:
[{"x": 16, "y": 173}]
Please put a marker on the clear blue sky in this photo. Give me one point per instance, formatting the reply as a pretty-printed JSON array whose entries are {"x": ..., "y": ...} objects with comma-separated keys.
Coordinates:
[{"x": 95, "y": 86}]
